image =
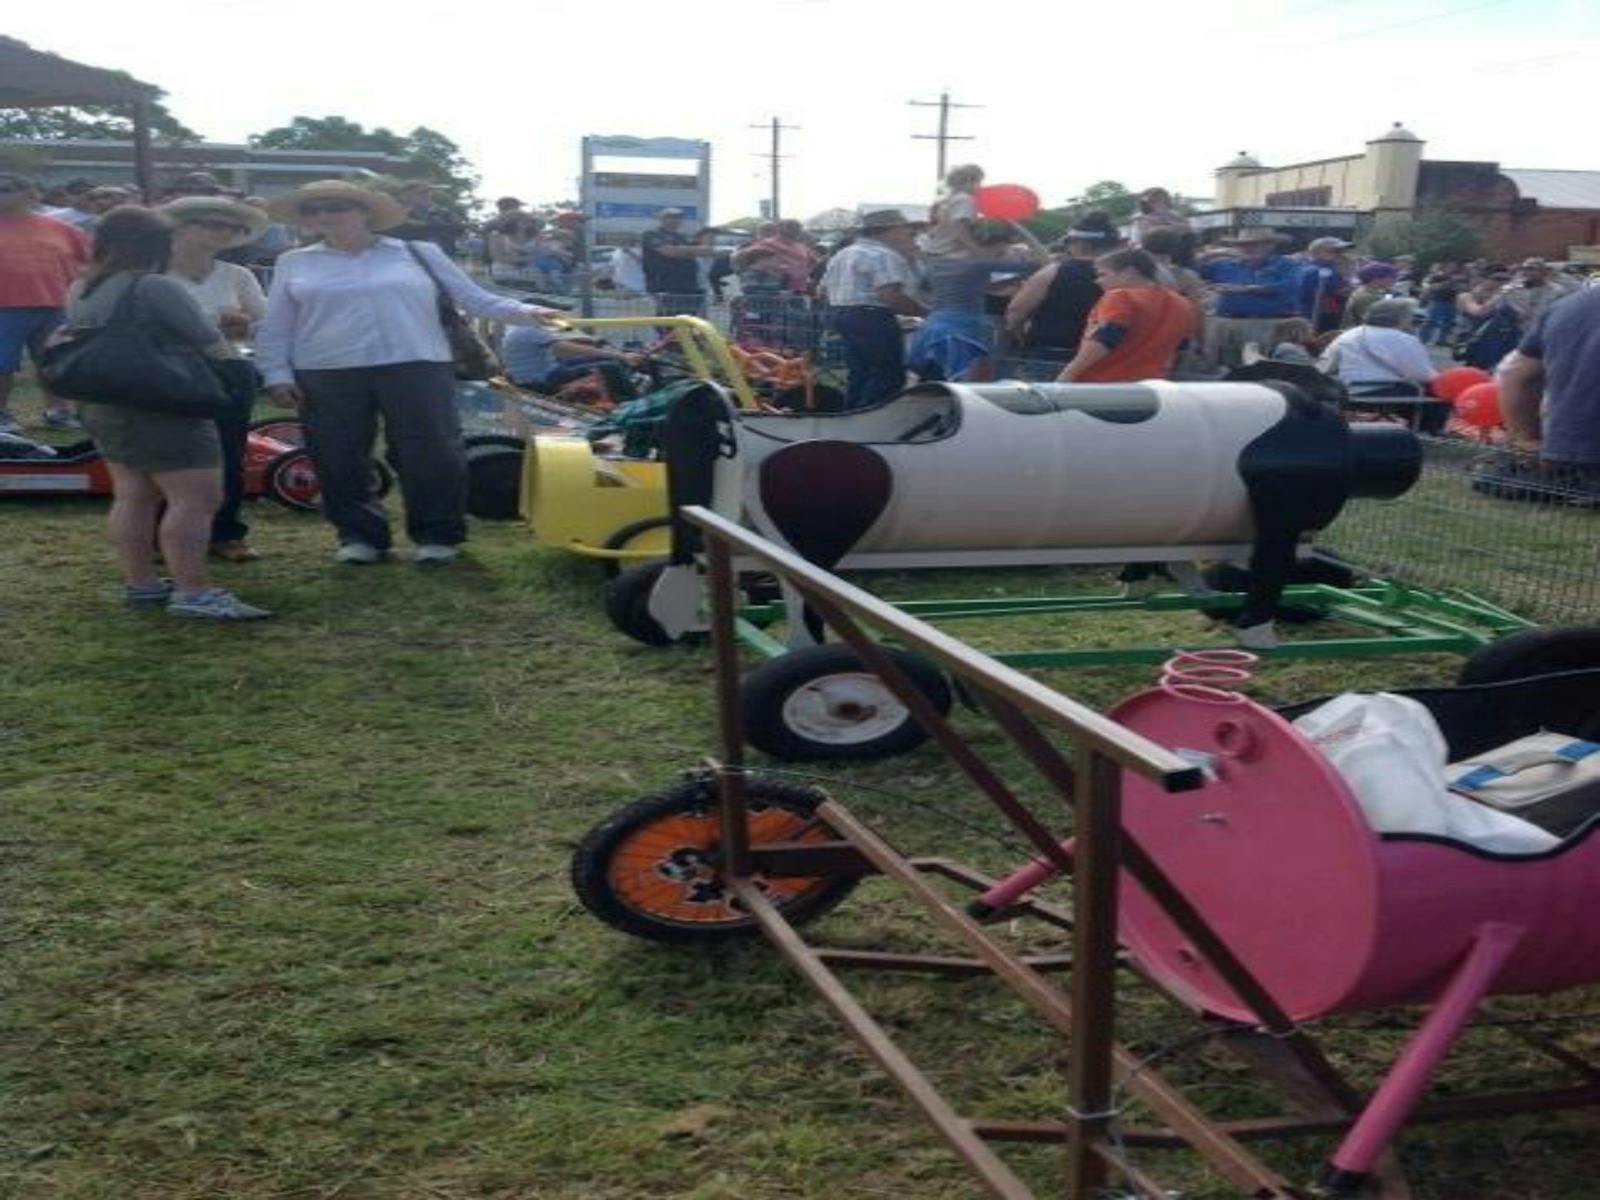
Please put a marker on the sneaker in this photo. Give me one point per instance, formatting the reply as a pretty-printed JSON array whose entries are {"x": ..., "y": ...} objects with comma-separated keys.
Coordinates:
[
  {"x": 147, "y": 595},
  {"x": 235, "y": 551},
  {"x": 214, "y": 604},
  {"x": 1256, "y": 637},
  {"x": 436, "y": 554},
  {"x": 60, "y": 419},
  {"x": 359, "y": 554},
  {"x": 8, "y": 423}
]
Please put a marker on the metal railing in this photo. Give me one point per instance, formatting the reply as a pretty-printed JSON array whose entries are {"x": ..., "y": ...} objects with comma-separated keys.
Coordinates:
[{"x": 1499, "y": 524}]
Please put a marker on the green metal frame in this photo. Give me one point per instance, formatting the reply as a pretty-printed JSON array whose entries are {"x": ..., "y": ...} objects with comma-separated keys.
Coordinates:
[{"x": 1403, "y": 620}]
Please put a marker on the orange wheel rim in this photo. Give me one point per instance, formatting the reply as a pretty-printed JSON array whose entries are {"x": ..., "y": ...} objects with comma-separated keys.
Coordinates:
[{"x": 668, "y": 869}]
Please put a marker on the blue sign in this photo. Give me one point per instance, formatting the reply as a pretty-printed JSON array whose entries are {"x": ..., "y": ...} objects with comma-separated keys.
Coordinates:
[{"x": 605, "y": 209}]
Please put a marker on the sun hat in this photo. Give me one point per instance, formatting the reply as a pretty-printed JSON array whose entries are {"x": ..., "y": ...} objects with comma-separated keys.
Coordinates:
[
  {"x": 384, "y": 210},
  {"x": 883, "y": 219},
  {"x": 188, "y": 207},
  {"x": 1329, "y": 243}
]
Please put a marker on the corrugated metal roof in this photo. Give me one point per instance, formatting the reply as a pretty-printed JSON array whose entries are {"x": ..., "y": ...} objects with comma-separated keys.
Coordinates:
[{"x": 1557, "y": 189}]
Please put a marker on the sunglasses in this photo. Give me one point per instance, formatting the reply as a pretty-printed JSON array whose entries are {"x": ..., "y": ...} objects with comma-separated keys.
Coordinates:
[
  {"x": 219, "y": 225},
  {"x": 316, "y": 207}
]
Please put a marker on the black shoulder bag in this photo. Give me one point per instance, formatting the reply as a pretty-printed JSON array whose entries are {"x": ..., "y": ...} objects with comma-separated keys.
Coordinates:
[
  {"x": 472, "y": 356},
  {"x": 128, "y": 363}
]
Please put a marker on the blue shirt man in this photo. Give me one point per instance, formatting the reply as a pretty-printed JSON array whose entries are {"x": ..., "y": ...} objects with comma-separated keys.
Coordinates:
[
  {"x": 1259, "y": 284},
  {"x": 1563, "y": 352}
]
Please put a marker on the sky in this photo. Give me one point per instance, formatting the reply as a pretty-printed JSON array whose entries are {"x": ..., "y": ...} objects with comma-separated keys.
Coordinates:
[{"x": 1158, "y": 92}]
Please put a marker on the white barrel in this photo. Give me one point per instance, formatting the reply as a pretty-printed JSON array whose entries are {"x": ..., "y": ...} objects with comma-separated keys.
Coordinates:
[{"x": 1014, "y": 467}]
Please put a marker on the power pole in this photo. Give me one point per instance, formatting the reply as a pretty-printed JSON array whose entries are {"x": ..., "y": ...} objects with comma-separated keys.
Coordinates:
[
  {"x": 944, "y": 104},
  {"x": 775, "y": 158}
]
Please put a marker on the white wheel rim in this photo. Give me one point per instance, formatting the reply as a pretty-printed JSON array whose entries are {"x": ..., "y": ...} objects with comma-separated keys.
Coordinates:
[{"x": 846, "y": 709}]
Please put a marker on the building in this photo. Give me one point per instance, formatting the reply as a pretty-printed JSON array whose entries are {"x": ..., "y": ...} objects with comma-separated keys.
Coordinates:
[
  {"x": 252, "y": 170},
  {"x": 1552, "y": 214}
]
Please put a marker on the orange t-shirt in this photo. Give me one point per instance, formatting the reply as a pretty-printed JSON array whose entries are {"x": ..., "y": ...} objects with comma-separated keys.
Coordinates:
[
  {"x": 39, "y": 259},
  {"x": 1157, "y": 321}
]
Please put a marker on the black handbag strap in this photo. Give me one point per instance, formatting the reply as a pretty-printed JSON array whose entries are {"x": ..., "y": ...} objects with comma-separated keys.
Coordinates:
[{"x": 447, "y": 305}]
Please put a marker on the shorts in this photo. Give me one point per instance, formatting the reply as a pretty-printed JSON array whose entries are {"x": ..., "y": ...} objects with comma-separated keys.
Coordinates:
[
  {"x": 152, "y": 442},
  {"x": 24, "y": 329}
]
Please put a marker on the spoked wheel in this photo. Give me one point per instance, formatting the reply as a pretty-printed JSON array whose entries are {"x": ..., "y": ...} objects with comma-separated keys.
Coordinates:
[
  {"x": 288, "y": 430},
  {"x": 821, "y": 703},
  {"x": 651, "y": 868},
  {"x": 291, "y": 480}
]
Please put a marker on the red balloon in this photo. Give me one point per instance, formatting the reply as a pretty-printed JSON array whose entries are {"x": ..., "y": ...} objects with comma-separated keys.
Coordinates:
[
  {"x": 1448, "y": 385},
  {"x": 1007, "y": 202},
  {"x": 1479, "y": 406}
]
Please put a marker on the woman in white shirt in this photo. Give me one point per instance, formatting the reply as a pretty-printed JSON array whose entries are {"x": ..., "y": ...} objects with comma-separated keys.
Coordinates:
[
  {"x": 232, "y": 300},
  {"x": 1383, "y": 358},
  {"x": 352, "y": 334}
]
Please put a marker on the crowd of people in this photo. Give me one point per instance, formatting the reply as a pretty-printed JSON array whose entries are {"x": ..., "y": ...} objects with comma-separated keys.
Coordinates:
[
  {"x": 353, "y": 330},
  {"x": 353, "y": 333}
]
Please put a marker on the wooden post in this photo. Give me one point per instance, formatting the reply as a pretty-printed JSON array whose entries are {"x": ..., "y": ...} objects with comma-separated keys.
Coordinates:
[{"x": 144, "y": 167}]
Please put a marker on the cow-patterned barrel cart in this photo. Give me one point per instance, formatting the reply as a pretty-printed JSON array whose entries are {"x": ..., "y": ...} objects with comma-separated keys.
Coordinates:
[{"x": 1166, "y": 475}]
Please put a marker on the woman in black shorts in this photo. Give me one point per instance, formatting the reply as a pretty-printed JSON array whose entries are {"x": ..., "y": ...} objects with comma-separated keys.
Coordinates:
[{"x": 155, "y": 458}]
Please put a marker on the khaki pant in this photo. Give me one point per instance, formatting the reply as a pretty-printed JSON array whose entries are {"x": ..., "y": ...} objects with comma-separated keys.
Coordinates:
[{"x": 1226, "y": 337}]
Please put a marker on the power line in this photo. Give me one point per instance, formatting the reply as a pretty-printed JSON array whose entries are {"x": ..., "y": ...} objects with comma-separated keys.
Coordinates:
[
  {"x": 775, "y": 157},
  {"x": 944, "y": 104},
  {"x": 1438, "y": 16}
]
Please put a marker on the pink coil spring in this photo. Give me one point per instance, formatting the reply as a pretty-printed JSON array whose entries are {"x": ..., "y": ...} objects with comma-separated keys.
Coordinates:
[{"x": 1204, "y": 675}]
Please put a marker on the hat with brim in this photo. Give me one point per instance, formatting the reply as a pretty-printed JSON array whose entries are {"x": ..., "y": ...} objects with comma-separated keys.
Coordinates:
[
  {"x": 884, "y": 219},
  {"x": 1254, "y": 237},
  {"x": 383, "y": 210},
  {"x": 188, "y": 208}
]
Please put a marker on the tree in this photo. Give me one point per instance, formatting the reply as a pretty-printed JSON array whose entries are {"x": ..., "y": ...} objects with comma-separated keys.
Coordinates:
[
  {"x": 1432, "y": 236},
  {"x": 104, "y": 122},
  {"x": 433, "y": 156}
]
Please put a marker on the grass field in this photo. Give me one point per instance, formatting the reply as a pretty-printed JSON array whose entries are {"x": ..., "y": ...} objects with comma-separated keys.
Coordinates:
[{"x": 287, "y": 914}]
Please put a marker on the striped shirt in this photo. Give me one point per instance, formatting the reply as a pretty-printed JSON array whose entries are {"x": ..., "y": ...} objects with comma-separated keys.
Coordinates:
[{"x": 855, "y": 274}]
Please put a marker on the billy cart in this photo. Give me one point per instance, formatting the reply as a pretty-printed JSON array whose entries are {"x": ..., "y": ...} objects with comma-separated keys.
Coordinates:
[{"x": 1212, "y": 839}]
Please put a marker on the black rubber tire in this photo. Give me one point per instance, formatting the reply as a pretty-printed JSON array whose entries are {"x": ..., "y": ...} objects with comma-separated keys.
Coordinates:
[
  {"x": 507, "y": 440},
  {"x": 592, "y": 864},
  {"x": 626, "y": 599},
  {"x": 1534, "y": 652},
  {"x": 278, "y": 487},
  {"x": 620, "y": 539},
  {"x": 766, "y": 692},
  {"x": 494, "y": 481},
  {"x": 279, "y": 428}
]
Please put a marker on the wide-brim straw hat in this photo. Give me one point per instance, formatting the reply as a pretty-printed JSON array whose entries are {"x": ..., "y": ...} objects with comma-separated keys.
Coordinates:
[
  {"x": 253, "y": 219},
  {"x": 384, "y": 211}
]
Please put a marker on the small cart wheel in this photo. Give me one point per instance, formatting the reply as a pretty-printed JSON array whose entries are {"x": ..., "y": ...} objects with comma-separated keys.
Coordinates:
[
  {"x": 1534, "y": 652},
  {"x": 636, "y": 532},
  {"x": 822, "y": 703},
  {"x": 651, "y": 869},
  {"x": 627, "y": 603},
  {"x": 291, "y": 480},
  {"x": 291, "y": 431},
  {"x": 494, "y": 480}
]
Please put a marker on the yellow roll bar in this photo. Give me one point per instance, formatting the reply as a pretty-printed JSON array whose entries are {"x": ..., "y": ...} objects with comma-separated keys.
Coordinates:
[{"x": 705, "y": 349}]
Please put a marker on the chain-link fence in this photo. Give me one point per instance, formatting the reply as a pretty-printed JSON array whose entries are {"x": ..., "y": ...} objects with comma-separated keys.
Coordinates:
[{"x": 1519, "y": 533}]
